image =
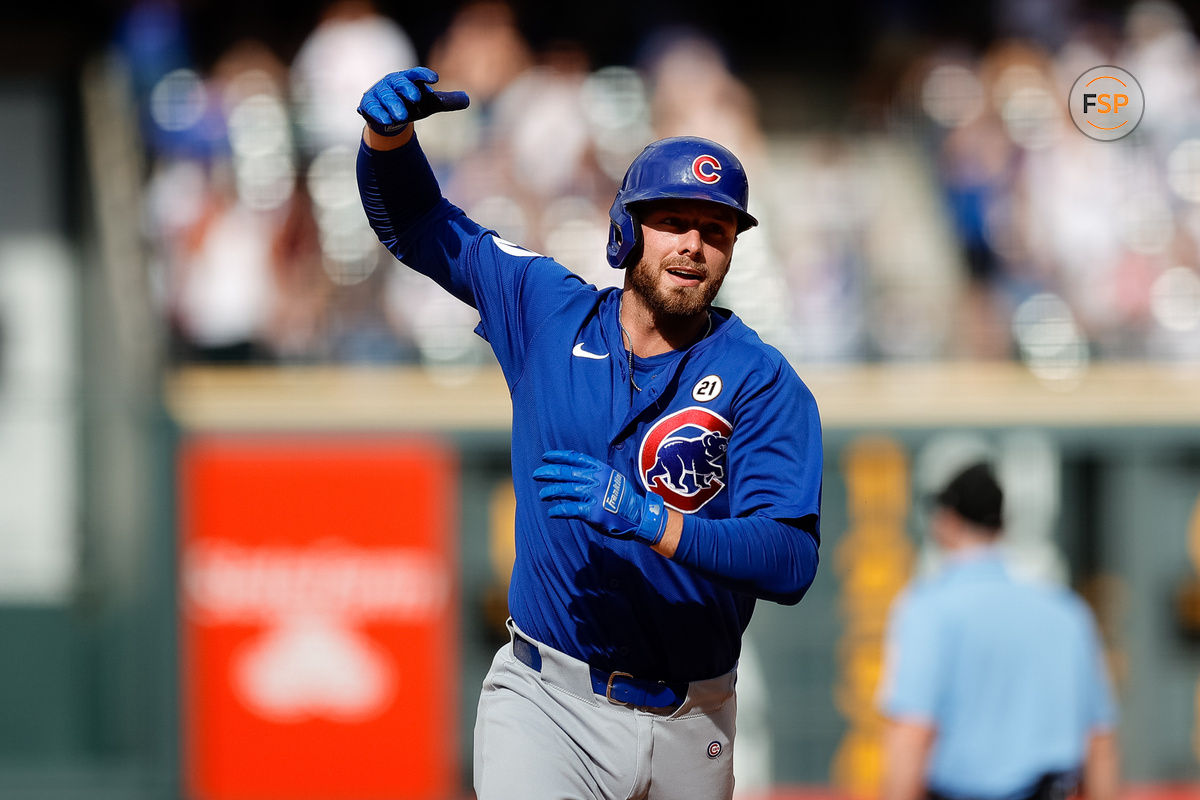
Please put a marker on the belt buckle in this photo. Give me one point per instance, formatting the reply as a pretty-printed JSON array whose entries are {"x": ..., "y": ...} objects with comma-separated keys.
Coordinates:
[{"x": 608, "y": 690}]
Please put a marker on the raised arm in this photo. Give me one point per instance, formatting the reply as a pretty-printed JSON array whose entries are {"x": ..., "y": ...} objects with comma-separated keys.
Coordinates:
[{"x": 398, "y": 187}]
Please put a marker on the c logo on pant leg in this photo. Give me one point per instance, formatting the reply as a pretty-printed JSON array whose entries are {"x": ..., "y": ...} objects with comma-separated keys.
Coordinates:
[{"x": 714, "y": 749}]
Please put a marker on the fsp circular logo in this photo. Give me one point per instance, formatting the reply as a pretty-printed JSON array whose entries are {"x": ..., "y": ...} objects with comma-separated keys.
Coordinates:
[
  {"x": 706, "y": 169},
  {"x": 1106, "y": 103}
]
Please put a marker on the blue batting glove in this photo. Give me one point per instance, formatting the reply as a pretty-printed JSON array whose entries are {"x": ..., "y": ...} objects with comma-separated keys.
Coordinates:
[
  {"x": 403, "y": 97},
  {"x": 584, "y": 488}
]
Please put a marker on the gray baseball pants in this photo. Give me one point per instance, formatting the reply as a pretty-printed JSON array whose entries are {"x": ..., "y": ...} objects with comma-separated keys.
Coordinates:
[{"x": 545, "y": 734}]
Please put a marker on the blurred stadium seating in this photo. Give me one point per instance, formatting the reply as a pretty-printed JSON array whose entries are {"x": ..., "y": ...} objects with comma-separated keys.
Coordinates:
[{"x": 948, "y": 210}]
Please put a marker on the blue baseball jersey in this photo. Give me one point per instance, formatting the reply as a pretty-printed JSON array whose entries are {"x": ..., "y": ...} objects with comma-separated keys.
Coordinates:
[{"x": 725, "y": 431}]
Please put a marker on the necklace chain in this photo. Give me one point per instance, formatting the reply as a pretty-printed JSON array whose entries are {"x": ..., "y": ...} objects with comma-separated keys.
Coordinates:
[
  {"x": 629, "y": 352},
  {"x": 628, "y": 341}
]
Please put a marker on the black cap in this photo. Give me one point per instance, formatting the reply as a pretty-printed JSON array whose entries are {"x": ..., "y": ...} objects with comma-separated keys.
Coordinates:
[{"x": 975, "y": 495}]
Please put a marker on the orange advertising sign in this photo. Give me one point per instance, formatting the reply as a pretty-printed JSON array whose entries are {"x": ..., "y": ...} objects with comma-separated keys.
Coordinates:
[{"x": 319, "y": 618}]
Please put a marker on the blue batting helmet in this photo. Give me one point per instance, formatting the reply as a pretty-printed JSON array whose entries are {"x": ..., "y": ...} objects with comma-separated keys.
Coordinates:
[{"x": 687, "y": 167}]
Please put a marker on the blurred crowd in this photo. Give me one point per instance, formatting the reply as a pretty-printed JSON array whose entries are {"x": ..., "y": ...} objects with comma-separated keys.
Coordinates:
[
  {"x": 1072, "y": 249},
  {"x": 959, "y": 215}
]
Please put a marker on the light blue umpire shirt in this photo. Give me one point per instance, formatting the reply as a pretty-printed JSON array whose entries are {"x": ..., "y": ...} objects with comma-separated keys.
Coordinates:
[{"x": 1009, "y": 672}]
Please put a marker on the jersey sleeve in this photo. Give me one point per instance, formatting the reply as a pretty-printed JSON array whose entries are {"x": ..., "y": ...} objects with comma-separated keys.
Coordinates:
[
  {"x": 913, "y": 651},
  {"x": 513, "y": 289},
  {"x": 775, "y": 458}
]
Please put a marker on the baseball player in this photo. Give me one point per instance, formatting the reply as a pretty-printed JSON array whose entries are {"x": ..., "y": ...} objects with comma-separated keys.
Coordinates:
[
  {"x": 667, "y": 467},
  {"x": 995, "y": 688}
]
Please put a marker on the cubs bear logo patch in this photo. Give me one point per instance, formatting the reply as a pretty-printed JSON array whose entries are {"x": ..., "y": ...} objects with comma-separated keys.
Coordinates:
[{"x": 682, "y": 458}]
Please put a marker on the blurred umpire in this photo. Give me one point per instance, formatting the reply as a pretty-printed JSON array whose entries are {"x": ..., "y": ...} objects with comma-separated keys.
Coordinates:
[{"x": 995, "y": 688}]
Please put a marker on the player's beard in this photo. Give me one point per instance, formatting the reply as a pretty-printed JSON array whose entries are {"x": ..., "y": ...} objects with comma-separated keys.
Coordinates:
[{"x": 672, "y": 301}]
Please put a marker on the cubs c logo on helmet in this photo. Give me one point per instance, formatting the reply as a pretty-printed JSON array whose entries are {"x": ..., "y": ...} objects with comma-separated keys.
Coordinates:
[
  {"x": 706, "y": 169},
  {"x": 682, "y": 458}
]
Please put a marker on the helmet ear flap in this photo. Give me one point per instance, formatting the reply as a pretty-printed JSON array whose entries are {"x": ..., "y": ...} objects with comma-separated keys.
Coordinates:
[{"x": 623, "y": 234}]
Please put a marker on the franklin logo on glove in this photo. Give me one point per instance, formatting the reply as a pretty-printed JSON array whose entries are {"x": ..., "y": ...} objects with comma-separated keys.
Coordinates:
[
  {"x": 587, "y": 489},
  {"x": 616, "y": 484}
]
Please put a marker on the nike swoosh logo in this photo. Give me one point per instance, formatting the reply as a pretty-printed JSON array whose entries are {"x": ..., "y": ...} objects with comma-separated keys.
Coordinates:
[{"x": 579, "y": 351}]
